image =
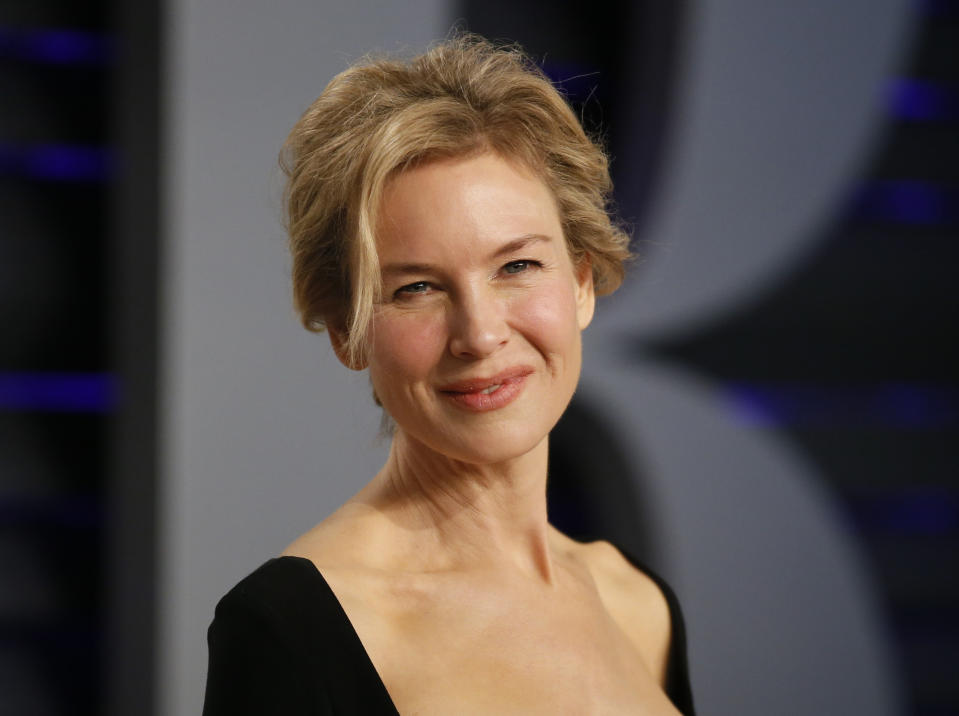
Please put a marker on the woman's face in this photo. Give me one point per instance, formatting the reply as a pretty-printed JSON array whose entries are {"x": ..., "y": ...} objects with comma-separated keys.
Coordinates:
[{"x": 475, "y": 348}]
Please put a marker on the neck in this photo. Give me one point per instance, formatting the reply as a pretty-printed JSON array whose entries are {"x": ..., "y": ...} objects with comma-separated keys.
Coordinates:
[{"x": 444, "y": 514}]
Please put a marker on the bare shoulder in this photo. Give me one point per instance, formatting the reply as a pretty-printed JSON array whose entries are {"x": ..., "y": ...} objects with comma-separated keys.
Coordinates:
[
  {"x": 334, "y": 542},
  {"x": 316, "y": 544},
  {"x": 351, "y": 551},
  {"x": 342, "y": 551},
  {"x": 634, "y": 601}
]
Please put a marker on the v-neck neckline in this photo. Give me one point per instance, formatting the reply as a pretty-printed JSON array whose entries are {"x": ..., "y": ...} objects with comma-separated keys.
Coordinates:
[{"x": 677, "y": 687}]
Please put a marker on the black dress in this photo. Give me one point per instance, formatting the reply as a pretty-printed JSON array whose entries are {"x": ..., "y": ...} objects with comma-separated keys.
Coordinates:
[{"x": 280, "y": 643}]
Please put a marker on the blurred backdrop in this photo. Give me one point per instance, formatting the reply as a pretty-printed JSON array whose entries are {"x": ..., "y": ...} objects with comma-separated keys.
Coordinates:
[{"x": 769, "y": 410}]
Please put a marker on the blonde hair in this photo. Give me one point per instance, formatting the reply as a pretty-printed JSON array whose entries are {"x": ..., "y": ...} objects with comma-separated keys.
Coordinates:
[{"x": 382, "y": 115}]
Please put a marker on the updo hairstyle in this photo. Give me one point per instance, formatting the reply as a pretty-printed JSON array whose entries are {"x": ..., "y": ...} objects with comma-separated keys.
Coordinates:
[{"x": 462, "y": 97}]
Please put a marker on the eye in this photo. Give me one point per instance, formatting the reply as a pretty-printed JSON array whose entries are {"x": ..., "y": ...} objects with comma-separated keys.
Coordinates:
[
  {"x": 411, "y": 288},
  {"x": 520, "y": 266}
]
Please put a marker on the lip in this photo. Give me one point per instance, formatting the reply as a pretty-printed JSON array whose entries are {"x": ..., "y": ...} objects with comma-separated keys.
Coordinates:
[{"x": 470, "y": 393}]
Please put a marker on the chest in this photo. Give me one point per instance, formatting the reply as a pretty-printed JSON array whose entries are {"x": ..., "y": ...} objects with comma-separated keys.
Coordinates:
[{"x": 508, "y": 653}]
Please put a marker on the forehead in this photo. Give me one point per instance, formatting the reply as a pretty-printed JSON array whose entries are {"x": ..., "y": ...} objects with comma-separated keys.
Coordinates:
[{"x": 464, "y": 204}]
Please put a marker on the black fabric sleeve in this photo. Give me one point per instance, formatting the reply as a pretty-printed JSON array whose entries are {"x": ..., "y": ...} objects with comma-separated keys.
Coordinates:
[{"x": 253, "y": 668}]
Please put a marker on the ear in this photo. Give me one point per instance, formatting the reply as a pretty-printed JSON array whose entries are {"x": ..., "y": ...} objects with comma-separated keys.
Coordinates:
[
  {"x": 338, "y": 339},
  {"x": 585, "y": 292}
]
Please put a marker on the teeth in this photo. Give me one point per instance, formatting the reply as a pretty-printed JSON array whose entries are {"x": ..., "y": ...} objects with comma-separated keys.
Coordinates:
[{"x": 491, "y": 389}]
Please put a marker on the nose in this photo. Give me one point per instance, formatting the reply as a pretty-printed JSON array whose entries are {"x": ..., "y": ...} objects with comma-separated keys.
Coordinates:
[{"x": 478, "y": 325}]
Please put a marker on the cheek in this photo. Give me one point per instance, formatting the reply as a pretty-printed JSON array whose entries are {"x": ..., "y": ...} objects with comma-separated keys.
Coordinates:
[
  {"x": 405, "y": 346},
  {"x": 549, "y": 316}
]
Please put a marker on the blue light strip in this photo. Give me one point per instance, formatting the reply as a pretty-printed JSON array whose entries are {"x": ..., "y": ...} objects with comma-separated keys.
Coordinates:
[
  {"x": 58, "y": 392},
  {"x": 922, "y": 101},
  {"x": 56, "y": 47},
  {"x": 76, "y": 512},
  {"x": 57, "y": 162},
  {"x": 913, "y": 511},
  {"x": 913, "y": 203},
  {"x": 939, "y": 8},
  {"x": 900, "y": 406}
]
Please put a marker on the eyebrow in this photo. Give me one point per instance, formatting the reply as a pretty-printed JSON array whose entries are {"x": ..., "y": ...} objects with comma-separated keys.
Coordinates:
[{"x": 510, "y": 247}]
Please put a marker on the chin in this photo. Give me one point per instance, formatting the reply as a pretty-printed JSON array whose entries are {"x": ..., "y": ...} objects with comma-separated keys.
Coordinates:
[{"x": 490, "y": 442}]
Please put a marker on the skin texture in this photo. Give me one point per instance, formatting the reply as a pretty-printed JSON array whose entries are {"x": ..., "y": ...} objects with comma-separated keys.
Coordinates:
[{"x": 464, "y": 596}]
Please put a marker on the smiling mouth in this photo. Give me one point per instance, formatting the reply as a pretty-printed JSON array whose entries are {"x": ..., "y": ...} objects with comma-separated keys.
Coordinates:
[{"x": 484, "y": 394}]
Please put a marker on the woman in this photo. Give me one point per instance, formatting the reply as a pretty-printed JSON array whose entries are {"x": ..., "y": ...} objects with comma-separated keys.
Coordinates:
[{"x": 448, "y": 226}]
